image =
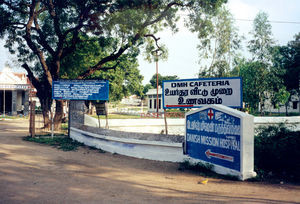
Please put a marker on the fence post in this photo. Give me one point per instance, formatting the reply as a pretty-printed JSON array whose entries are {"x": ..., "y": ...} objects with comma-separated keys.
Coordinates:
[
  {"x": 32, "y": 119},
  {"x": 166, "y": 125}
]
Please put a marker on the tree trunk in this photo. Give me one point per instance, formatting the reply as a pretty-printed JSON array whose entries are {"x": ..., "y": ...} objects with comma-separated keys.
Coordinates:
[
  {"x": 45, "y": 105},
  {"x": 47, "y": 122},
  {"x": 58, "y": 114}
]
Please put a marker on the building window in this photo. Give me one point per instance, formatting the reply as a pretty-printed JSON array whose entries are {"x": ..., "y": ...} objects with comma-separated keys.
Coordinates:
[
  {"x": 150, "y": 103},
  {"x": 295, "y": 104},
  {"x": 154, "y": 103},
  {"x": 159, "y": 102}
]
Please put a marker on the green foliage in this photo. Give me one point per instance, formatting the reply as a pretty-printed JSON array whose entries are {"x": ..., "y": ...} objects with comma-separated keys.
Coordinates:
[
  {"x": 160, "y": 79},
  {"x": 277, "y": 153},
  {"x": 118, "y": 116},
  {"x": 59, "y": 142},
  {"x": 187, "y": 165},
  {"x": 52, "y": 31},
  {"x": 147, "y": 87},
  {"x": 124, "y": 80},
  {"x": 291, "y": 63},
  {"x": 203, "y": 169},
  {"x": 220, "y": 46},
  {"x": 263, "y": 75},
  {"x": 261, "y": 43},
  {"x": 254, "y": 83}
]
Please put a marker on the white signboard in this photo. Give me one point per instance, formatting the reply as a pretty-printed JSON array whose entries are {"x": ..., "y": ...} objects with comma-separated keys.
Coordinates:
[
  {"x": 195, "y": 93},
  {"x": 14, "y": 86}
]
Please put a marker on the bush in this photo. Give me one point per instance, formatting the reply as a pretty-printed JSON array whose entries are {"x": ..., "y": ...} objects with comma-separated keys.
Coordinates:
[
  {"x": 277, "y": 153},
  {"x": 203, "y": 169}
]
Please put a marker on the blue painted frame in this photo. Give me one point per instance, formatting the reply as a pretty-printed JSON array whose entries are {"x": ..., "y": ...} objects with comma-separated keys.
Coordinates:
[
  {"x": 103, "y": 93},
  {"x": 198, "y": 150},
  {"x": 200, "y": 79}
]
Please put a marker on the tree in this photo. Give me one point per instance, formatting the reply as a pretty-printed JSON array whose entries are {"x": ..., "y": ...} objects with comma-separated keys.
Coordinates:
[
  {"x": 146, "y": 88},
  {"x": 46, "y": 31},
  {"x": 219, "y": 46},
  {"x": 290, "y": 60},
  {"x": 265, "y": 54},
  {"x": 278, "y": 93},
  {"x": 124, "y": 80},
  {"x": 292, "y": 64},
  {"x": 253, "y": 84},
  {"x": 160, "y": 79},
  {"x": 261, "y": 43}
]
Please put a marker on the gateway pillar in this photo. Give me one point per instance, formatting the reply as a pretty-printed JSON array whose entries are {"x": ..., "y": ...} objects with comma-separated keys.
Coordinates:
[
  {"x": 14, "y": 103},
  {"x": 26, "y": 102}
]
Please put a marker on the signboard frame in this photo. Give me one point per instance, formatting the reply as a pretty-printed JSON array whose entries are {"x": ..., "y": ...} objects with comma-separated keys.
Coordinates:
[
  {"x": 239, "y": 101},
  {"x": 104, "y": 95},
  {"x": 243, "y": 166}
]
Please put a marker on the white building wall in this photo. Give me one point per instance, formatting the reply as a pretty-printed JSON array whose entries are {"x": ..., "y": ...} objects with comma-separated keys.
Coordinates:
[{"x": 293, "y": 106}]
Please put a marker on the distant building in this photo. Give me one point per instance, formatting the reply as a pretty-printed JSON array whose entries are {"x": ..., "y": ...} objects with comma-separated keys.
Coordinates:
[
  {"x": 152, "y": 100},
  {"x": 292, "y": 107},
  {"x": 14, "y": 92},
  {"x": 132, "y": 100}
]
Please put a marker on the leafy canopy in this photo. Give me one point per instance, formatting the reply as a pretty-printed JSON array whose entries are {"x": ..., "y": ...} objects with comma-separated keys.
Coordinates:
[
  {"x": 219, "y": 46},
  {"x": 46, "y": 32}
]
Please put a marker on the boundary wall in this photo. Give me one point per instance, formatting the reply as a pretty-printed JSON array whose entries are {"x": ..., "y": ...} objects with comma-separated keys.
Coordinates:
[
  {"x": 177, "y": 126},
  {"x": 145, "y": 149},
  {"x": 140, "y": 144}
]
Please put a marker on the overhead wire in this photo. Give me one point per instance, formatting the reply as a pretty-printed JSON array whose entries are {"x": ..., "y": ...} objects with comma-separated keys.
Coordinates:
[{"x": 284, "y": 22}]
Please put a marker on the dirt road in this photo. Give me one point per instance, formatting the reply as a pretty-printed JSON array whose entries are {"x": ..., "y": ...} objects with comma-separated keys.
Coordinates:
[{"x": 33, "y": 173}]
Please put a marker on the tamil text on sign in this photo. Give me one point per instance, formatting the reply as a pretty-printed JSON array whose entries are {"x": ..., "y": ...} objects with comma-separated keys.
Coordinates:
[
  {"x": 193, "y": 93},
  {"x": 223, "y": 137},
  {"x": 80, "y": 90},
  {"x": 214, "y": 136}
]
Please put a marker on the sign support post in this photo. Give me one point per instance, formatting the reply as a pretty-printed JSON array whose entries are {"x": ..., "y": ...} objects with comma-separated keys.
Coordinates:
[
  {"x": 166, "y": 124},
  {"x": 80, "y": 90},
  {"x": 32, "y": 119},
  {"x": 52, "y": 122}
]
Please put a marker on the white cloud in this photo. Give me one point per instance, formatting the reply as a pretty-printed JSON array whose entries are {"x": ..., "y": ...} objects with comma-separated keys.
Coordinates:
[{"x": 242, "y": 10}]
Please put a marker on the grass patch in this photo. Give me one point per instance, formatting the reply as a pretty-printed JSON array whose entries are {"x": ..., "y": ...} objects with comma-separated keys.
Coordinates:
[
  {"x": 204, "y": 169},
  {"x": 96, "y": 149},
  {"x": 118, "y": 116},
  {"x": 64, "y": 126},
  {"x": 13, "y": 117},
  {"x": 58, "y": 141}
]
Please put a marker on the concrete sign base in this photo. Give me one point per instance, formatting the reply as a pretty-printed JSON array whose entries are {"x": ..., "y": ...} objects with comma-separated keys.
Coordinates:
[{"x": 223, "y": 137}]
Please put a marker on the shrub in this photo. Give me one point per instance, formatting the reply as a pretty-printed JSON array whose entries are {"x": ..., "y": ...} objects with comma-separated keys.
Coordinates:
[{"x": 277, "y": 153}]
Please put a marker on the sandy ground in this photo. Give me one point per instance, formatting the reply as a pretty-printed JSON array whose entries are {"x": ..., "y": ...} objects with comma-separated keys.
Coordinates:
[{"x": 33, "y": 173}]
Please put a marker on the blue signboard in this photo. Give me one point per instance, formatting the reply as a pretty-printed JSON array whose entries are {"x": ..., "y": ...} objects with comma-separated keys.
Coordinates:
[
  {"x": 214, "y": 136},
  {"x": 80, "y": 90}
]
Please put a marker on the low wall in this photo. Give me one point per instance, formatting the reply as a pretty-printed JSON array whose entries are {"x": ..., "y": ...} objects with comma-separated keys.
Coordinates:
[
  {"x": 122, "y": 144},
  {"x": 292, "y": 123},
  {"x": 176, "y": 126}
]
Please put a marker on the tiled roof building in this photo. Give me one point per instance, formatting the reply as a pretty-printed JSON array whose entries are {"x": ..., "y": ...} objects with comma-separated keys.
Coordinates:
[{"x": 14, "y": 92}]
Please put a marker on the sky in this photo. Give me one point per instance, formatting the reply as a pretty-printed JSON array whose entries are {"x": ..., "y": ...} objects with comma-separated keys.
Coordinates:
[{"x": 182, "y": 47}]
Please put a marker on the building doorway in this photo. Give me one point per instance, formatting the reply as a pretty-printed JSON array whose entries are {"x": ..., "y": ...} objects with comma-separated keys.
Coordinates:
[{"x": 8, "y": 101}]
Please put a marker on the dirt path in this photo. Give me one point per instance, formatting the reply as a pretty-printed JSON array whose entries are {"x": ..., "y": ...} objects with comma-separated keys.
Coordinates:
[{"x": 33, "y": 173}]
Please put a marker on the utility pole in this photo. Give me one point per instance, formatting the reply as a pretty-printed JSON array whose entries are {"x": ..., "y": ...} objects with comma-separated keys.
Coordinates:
[
  {"x": 157, "y": 101},
  {"x": 4, "y": 102}
]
